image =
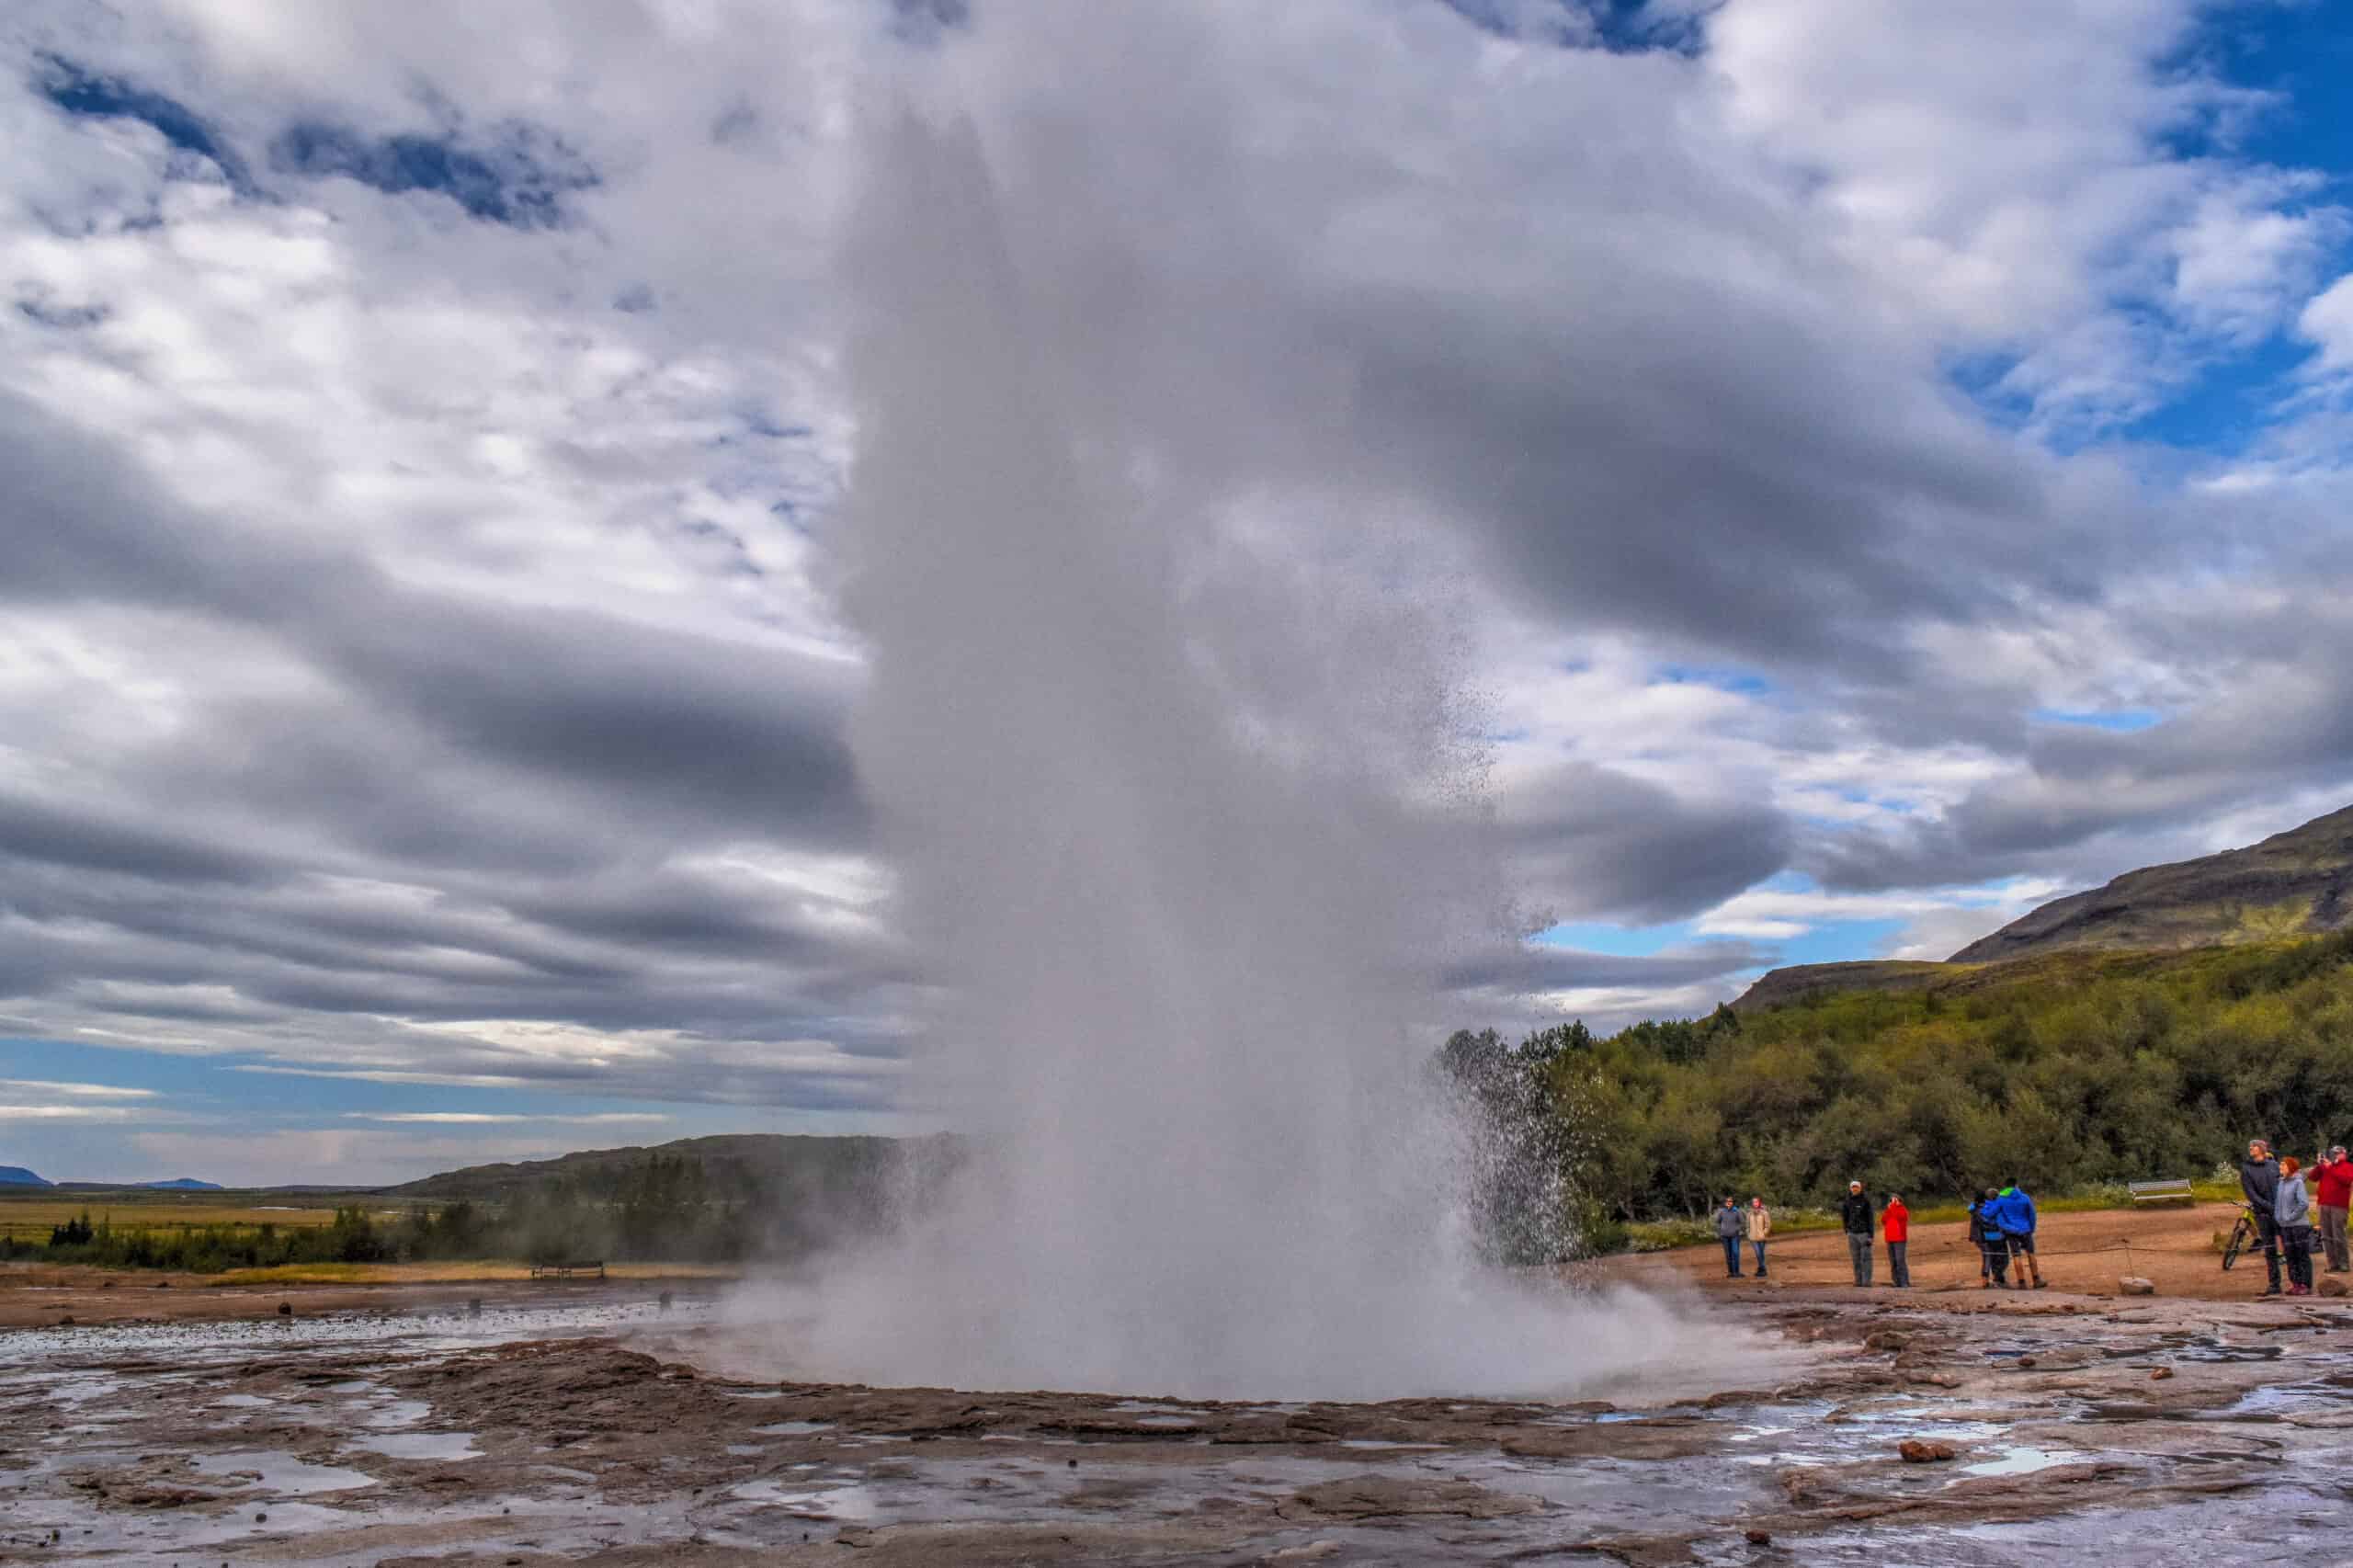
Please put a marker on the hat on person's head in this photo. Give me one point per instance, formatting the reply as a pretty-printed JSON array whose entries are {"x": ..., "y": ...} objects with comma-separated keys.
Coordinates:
[
  {"x": 1993, "y": 1192},
  {"x": 1855, "y": 1186}
]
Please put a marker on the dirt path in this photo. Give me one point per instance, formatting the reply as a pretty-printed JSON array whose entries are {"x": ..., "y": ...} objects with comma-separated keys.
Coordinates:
[{"x": 2081, "y": 1254}]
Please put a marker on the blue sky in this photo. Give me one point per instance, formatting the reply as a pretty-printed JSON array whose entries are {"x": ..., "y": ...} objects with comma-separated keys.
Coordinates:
[{"x": 1866, "y": 477}]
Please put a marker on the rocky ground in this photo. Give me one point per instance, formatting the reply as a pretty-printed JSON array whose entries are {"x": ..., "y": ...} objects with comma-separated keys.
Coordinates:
[{"x": 587, "y": 1428}]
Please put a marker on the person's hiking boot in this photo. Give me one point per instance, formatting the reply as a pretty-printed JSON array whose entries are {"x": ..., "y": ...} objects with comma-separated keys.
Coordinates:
[
  {"x": 2272, "y": 1290},
  {"x": 2299, "y": 1290},
  {"x": 2043, "y": 1284}
]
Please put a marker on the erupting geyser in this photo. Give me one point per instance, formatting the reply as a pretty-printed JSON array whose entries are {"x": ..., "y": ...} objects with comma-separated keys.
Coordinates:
[{"x": 1169, "y": 757}]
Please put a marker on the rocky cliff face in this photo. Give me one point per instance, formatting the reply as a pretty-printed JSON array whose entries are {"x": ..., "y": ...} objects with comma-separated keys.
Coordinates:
[{"x": 2295, "y": 883}]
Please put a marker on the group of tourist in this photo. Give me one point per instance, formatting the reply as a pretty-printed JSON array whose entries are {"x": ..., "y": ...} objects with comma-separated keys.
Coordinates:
[
  {"x": 2002, "y": 1223},
  {"x": 2001, "y": 1227},
  {"x": 2283, "y": 1204}
]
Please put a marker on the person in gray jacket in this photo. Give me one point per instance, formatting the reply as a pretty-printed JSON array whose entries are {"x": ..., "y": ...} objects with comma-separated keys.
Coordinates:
[
  {"x": 2292, "y": 1210},
  {"x": 1729, "y": 1229}
]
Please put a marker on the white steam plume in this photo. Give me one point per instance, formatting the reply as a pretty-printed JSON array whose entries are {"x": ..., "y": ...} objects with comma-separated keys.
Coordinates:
[{"x": 1168, "y": 750}]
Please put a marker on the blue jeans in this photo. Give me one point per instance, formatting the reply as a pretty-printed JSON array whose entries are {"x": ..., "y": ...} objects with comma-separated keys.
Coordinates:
[
  {"x": 1732, "y": 1255},
  {"x": 1758, "y": 1248}
]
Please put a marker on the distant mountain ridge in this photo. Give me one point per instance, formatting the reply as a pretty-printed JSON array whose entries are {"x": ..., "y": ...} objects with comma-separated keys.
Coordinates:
[
  {"x": 789, "y": 1159},
  {"x": 2297, "y": 883},
  {"x": 17, "y": 1175}
]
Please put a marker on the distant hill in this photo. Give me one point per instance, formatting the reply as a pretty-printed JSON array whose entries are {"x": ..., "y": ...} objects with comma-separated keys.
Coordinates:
[
  {"x": 2292, "y": 884},
  {"x": 755, "y": 1158},
  {"x": 2297, "y": 883},
  {"x": 1802, "y": 981},
  {"x": 770, "y": 1194},
  {"x": 17, "y": 1175},
  {"x": 181, "y": 1184}
]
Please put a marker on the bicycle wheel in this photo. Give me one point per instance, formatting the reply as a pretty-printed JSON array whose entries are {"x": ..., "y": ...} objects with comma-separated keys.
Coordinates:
[{"x": 2241, "y": 1234}]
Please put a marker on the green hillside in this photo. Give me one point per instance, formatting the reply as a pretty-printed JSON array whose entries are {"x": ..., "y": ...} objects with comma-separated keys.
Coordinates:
[{"x": 2064, "y": 1070}]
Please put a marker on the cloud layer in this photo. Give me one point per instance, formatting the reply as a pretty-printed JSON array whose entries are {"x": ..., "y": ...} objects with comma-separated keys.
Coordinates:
[{"x": 421, "y": 448}]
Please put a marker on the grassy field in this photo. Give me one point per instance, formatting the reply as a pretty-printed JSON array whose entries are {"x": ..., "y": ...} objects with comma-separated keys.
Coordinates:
[
  {"x": 452, "y": 1273},
  {"x": 33, "y": 1217}
]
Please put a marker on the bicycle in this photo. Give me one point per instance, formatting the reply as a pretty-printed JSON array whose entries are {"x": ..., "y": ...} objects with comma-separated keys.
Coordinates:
[{"x": 2243, "y": 1235}]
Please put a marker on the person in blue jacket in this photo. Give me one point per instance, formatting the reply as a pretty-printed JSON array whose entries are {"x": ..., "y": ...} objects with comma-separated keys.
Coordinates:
[{"x": 2013, "y": 1212}]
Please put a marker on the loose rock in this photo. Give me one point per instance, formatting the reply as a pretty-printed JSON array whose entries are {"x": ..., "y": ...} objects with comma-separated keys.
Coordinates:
[
  {"x": 2134, "y": 1285},
  {"x": 1923, "y": 1451}
]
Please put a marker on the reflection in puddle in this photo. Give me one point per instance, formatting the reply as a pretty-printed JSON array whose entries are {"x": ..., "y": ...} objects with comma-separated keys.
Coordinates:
[
  {"x": 2016, "y": 1462},
  {"x": 419, "y": 1445},
  {"x": 281, "y": 1475}
]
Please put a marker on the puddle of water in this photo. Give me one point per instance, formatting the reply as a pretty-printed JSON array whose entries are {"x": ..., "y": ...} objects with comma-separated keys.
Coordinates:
[
  {"x": 753, "y": 1394},
  {"x": 1384, "y": 1443},
  {"x": 398, "y": 1412},
  {"x": 280, "y": 1474},
  {"x": 419, "y": 1445},
  {"x": 242, "y": 1402},
  {"x": 812, "y": 1497},
  {"x": 793, "y": 1428},
  {"x": 2016, "y": 1461}
]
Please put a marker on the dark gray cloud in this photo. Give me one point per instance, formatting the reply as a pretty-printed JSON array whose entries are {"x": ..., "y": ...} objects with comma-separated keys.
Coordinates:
[
  {"x": 1587, "y": 843},
  {"x": 1548, "y": 968}
]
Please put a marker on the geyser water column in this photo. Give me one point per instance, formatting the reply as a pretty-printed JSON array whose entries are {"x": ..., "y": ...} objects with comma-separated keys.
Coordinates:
[{"x": 1165, "y": 747}]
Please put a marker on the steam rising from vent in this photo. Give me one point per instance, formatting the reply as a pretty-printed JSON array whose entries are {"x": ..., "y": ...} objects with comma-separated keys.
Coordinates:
[{"x": 1171, "y": 757}]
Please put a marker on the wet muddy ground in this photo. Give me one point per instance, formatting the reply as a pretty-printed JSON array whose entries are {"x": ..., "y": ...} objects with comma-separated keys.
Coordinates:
[{"x": 593, "y": 1428}]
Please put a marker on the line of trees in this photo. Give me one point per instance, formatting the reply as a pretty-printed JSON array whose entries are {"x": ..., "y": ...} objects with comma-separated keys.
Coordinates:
[
  {"x": 2061, "y": 1072},
  {"x": 659, "y": 1208}
]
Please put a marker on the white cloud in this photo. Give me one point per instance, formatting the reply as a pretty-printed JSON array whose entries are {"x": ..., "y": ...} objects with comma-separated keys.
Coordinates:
[
  {"x": 2328, "y": 319},
  {"x": 74, "y": 1091}
]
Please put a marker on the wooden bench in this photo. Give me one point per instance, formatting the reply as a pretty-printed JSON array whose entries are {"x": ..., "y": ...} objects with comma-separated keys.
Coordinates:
[
  {"x": 568, "y": 1270},
  {"x": 2174, "y": 1191}
]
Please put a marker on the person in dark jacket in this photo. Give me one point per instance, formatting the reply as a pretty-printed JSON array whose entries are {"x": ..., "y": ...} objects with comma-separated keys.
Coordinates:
[
  {"x": 1857, "y": 1216},
  {"x": 1992, "y": 1252},
  {"x": 1729, "y": 1226},
  {"x": 2259, "y": 1179},
  {"x": 2014, "y": 1213}
]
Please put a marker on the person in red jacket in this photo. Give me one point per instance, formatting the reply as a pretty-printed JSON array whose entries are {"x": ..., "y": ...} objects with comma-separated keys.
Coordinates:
[
  {"x": 2333, "y": 1187},
  {"x": 1895, "y": 1228}
]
